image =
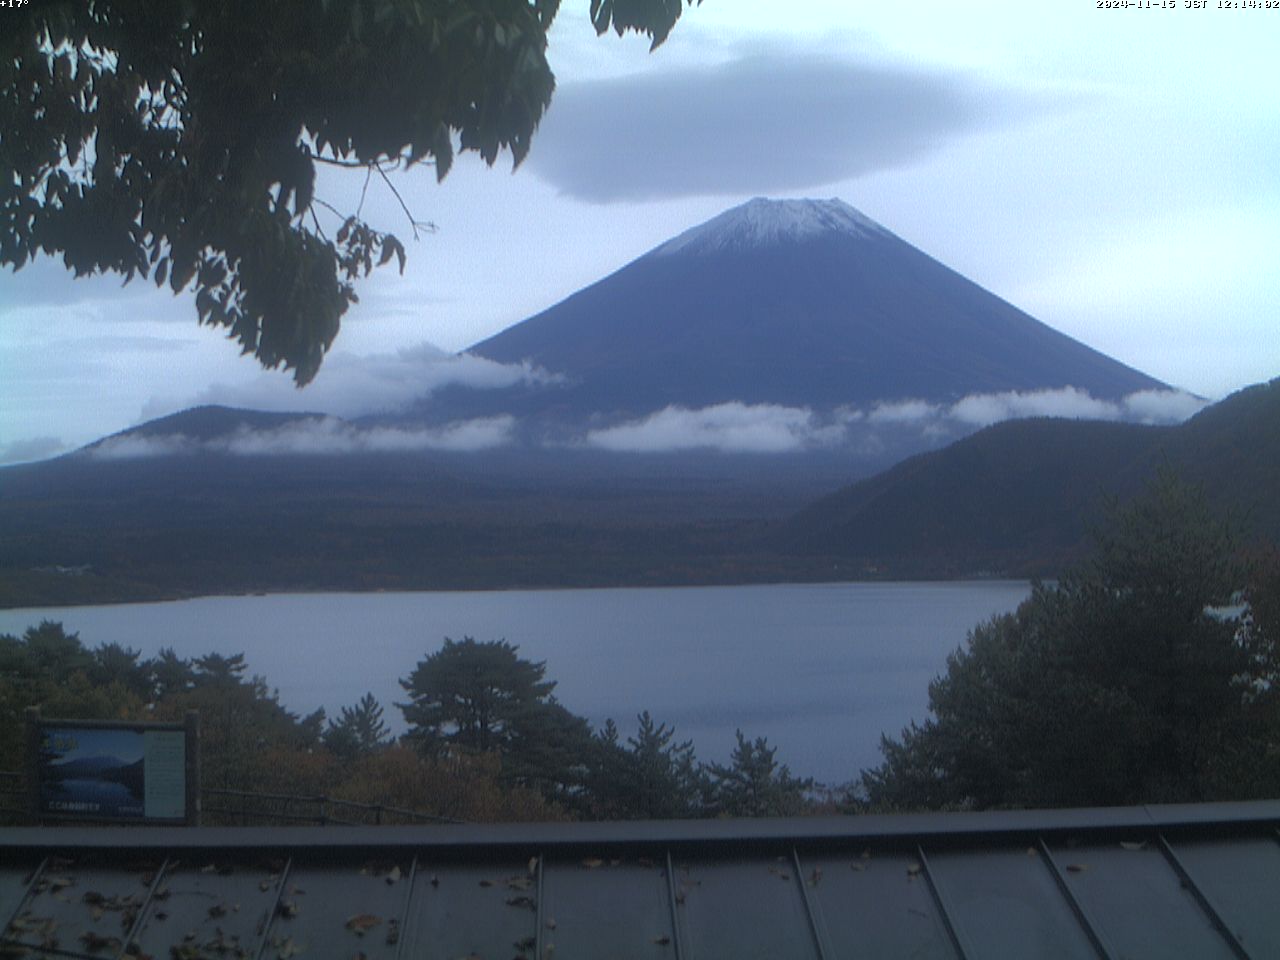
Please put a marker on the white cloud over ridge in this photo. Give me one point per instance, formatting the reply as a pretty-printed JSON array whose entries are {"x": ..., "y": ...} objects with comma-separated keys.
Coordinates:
[
  {"x": 730, "y": 427},
  {"x": 353, "y": 386},
  {"x": 318, "y": 436},
  {"x": 768, "y": 428}
]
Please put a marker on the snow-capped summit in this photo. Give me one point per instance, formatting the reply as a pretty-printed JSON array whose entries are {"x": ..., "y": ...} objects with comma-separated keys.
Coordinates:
[{"x": 762, "y": 222}]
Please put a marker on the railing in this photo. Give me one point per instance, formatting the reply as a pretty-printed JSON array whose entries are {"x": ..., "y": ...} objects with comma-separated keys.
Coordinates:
[
  {"x": 247, "y": 808},
  {"x": 244, "y": 808}
]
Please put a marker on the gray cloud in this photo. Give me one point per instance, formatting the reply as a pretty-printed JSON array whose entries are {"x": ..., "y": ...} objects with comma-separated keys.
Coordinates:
[{"x": 766, "y": 123}]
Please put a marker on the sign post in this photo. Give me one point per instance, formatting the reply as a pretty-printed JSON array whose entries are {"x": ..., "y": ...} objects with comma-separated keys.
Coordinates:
[{"x": 114, "y": 771}]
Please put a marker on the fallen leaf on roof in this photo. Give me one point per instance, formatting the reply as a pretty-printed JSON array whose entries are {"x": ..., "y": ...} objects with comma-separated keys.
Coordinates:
[
  {"x": 393, "y": 875},
  {"x": 361, "y": 923},
  {"x": 1133, "y": 845},
  {"x": 913, "y": 869},
  {"x": 592, "y": 862},
  {"x": 1077, "y": 867},
  {"x": 286, "y": 948},
  {"x": 94, "y": 942},
  {"x": 662, "y": 941}
]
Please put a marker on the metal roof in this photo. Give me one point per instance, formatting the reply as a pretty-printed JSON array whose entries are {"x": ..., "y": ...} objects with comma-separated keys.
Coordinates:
[{"x": 1173, "y": 881}]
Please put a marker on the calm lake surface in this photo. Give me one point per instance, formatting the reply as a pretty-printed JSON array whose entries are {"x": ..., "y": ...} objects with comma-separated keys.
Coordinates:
[{"x": 819, "y": 669}]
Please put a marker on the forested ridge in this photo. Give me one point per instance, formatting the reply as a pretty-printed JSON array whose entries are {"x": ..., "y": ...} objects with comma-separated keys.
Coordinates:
[{"x": 1015, "y": 500}]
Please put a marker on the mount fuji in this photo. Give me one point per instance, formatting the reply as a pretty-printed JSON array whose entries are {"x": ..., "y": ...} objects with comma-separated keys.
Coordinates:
[{"x": 802, "y": 304}]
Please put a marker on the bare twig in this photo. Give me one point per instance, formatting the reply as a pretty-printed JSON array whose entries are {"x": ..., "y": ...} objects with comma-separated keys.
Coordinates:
[{"x": 414, "y": 224}]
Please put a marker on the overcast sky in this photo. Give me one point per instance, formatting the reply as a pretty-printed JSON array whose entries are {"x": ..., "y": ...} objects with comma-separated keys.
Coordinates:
[{"x": 1115, "y": 173}]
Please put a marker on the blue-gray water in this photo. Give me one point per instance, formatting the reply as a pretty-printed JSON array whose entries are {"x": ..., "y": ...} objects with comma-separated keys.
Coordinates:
[{"x": 819, "y": 669}]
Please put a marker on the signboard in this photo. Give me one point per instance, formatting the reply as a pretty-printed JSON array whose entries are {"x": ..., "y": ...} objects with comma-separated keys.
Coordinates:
[{"x": 119, "y": 772}]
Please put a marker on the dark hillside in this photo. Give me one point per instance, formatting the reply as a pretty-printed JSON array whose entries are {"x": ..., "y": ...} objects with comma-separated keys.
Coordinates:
[{"x": 1018, "y": 497}]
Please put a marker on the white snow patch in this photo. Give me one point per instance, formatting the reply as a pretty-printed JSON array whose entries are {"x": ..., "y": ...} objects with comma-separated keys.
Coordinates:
[{"x": 762, "y": 222}]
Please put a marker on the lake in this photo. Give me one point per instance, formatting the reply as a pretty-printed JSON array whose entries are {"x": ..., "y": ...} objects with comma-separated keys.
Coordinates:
[{"x": 819, "y": 669}]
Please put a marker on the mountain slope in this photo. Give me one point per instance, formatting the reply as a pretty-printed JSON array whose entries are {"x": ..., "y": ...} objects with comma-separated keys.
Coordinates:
[
  {"x": 1018, "y": 497},
  {"x": 799, "y": 303}
]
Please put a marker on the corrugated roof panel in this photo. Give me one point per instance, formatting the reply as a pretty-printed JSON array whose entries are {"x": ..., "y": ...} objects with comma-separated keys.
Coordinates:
[
  {"x": 342, "y": 909},
  {"x": 83, "y": 906},
  {"x": 1242, "y": 879},
  {"x": 210, "y": 907},
  {"x": 1006, "y": 903},
  {"x": 1122, "y": 887},
  {"x": 743, "y": 909},
  {"x": 877, "y": 904},
  {"x": 485, "y": 910},
  {"x": 595, "y": 907}
]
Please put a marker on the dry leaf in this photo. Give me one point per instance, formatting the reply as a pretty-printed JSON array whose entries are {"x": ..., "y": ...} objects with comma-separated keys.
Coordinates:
[
  {"x": 1131, "y": 845},
  {"x": 592, "y": 862},
  {"x": 662, "y": 941},
  {"x": 1077, "y": 867},
  {"x": 361, "y": 923},
  {"x": 533, "y": 866},
  {"x": 394, "y": 875},
  {"x": 913, "y": 869}
]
